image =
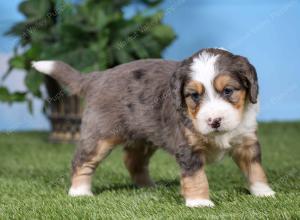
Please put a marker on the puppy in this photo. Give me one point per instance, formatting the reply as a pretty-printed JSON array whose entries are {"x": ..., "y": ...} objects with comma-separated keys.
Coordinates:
[{"x": 198, "y": 110}]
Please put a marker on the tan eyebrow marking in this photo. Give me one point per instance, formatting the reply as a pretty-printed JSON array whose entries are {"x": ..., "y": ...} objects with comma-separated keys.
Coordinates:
[
  {"x": 191, "y": 87},
  {"x": 224, "y": 80},
  {"x": 238, "y": 97}
]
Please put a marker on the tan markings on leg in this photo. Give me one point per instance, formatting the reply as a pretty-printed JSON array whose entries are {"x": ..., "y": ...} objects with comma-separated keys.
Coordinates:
[
  {"x": 256, "y": 173},
  {"x": 136, "y": 160},
  {"x": 246, "y": 156},
  {"x": 83, "y": 174},
  {"x": 195, "y": 186}
]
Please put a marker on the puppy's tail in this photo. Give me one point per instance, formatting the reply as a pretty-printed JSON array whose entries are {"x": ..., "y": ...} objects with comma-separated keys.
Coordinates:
[{"x": 63, "y": 73}]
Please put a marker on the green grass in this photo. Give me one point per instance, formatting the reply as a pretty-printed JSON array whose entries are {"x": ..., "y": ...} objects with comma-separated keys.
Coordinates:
[{"x": 34, "y": 179}]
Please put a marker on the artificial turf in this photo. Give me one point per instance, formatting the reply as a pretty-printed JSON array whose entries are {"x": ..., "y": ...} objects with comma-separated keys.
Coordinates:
[{"x": 34, "y": 179}]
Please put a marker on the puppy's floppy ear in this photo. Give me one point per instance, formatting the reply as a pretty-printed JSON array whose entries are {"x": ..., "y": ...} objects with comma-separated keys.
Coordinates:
[
  {"x": 177, "y": 82},
  {"x": 248, "y": 75}
]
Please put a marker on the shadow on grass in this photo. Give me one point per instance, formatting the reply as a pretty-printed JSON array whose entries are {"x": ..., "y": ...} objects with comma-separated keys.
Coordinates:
[{"x": 131, "y": 186}]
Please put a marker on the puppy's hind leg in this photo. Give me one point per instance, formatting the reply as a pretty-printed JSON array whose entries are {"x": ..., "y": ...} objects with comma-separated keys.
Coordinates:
[
  {"x": 88, "y": 155},
  {"x": 136, "y": 160}
]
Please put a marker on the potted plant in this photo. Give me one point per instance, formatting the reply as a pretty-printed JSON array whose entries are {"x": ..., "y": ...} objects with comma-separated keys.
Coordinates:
[{"x": 89, "y": 35}]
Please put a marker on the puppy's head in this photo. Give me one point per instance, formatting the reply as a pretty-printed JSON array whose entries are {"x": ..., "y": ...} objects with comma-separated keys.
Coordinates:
[{"x": 212, "y": 88}]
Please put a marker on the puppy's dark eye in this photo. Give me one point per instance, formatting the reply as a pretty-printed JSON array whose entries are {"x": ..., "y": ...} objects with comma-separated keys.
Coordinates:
[
  {"x": 227, "y": 92},
  {"x": 195, "y": 96}
]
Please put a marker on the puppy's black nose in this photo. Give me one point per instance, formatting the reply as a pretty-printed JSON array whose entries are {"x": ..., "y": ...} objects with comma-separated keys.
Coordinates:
[{"x": 215, "y": 123}]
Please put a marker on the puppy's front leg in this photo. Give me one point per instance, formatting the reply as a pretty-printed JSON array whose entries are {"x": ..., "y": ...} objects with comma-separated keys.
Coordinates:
[
  {"x": 194, "y": 184},
  {"x": 248, "y": 158}
]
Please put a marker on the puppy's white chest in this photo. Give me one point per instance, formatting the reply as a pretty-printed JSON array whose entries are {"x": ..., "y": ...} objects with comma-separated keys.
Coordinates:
[
  {"x": 218, "y": 148},
  {"x": 223, "y": 142}
]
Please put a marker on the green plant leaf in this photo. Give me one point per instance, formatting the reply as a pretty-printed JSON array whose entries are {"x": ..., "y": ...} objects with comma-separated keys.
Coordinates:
[
  {"x": 30, "y": 105},
  {"x": 163, "y": 34},
  {"x": 6, "y": 96},
  {"x": 100, "y": 48},
  {"x": 152, "y": 46},
  {"x": 17, "y": 62},
  {"x": 18, "y": 96},
  {"x": 100, "y": 19},
  {"x": 122, "y": 56},
  {"x": 139, "y": 49},
  {"x": 79, "y": 58},
  {"x": 74, "y": 34},
  {"x": 89, "y": 35},
  {"x": 33, "y": 81},
  {"x": 34, "y": 8},
  {"x": 33, "y": 53},
  {"x": 21, "y": 29},
  {"x": 151, "y": 3}
]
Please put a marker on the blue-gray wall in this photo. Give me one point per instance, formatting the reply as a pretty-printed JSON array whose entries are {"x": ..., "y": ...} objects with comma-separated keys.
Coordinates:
[{"x": 267, "y": 32}]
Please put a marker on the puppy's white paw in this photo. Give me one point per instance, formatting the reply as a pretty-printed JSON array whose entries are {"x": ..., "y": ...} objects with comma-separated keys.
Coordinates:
[
  {"x": 261, "y": 190},
  {"x": 199, "y": 203},
  {"x": 82, "y": 190}
]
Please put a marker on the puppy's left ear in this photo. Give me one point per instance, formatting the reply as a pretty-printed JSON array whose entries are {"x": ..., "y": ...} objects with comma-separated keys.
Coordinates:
[
  {"x": 249, "y": 77},
  {"x": 177, "y": 82}
]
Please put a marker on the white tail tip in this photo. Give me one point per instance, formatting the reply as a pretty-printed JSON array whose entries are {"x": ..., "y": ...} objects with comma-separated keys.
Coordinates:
[{"x": 46, "y": 67}]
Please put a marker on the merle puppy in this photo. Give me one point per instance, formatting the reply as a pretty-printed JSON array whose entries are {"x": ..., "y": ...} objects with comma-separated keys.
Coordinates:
[{"x": 198, "y": 110}]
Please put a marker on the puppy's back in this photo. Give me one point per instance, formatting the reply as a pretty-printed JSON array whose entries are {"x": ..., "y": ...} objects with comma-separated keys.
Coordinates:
[{"x": 129, "y": 98}]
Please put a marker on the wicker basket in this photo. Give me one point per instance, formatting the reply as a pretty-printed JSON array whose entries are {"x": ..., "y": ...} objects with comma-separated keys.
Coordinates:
[{"x": 64, "y": 112}]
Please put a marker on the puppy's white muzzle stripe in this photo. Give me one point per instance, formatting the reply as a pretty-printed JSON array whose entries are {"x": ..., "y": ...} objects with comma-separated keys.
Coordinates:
[
  {"x": 199, "y": 203},
  {"x": 46, "y": 67},
  {"x": 261, "y": 190}
]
